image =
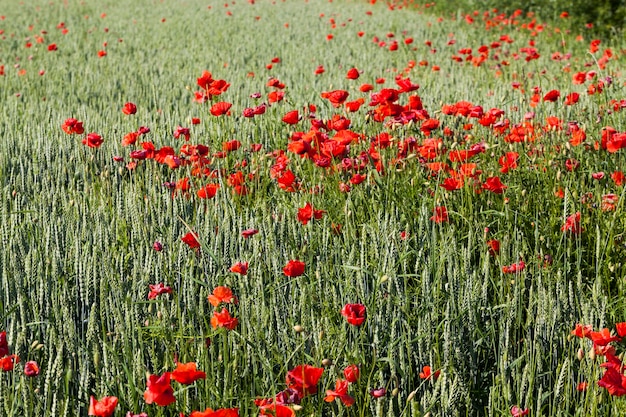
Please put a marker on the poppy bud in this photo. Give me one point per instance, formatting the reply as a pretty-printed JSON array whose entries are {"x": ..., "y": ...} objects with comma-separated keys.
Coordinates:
[
  {"x": 379, "y": 392},
  {"x": 157, "y": 246},
  {"x": 581, "y": 354},
  {"x": 298, "y": 329},
  {"x": 326, "y": 362}
]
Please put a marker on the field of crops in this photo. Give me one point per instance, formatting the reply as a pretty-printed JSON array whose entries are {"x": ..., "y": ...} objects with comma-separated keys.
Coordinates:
[{"x": 309, "y": 208}]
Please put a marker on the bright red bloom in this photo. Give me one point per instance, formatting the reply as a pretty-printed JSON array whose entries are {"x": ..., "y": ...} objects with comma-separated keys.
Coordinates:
[
  {"x": 354, "y": 313},
  {"x": 159, "y": 391},
  {"x": 31, "y": 369},
  {"x": 249, "y": 233},
  {"x": 221, "y": 108},
  {"x": 223, "y": 319},
  {"x": 364, "y": 88},
  {"x": 270, "y": 408},
  {"x": 440, "y": 214},
  {"x": 351, "y": 373},
  {"x": 514, "y": 268},
  {"x": 221, "y": 294},
  {"x": 208, "y": 191},
  {"x": 104, "y": 407},
  {"x": 130, "y": 138},
  {"x": 222, "y": 412},
  {"x": 552, "y": 95},
  {"x": 336, "y": 97},
  {"x": 508, "y": 162},
  {"x": 7, "y": 363},
  {"x": 187, "y": 373},
  {"x": 129, "y": 108},
  {"x": 292, "y": 117},
  {"x": 72, "y": 126},
  {"x": 191, "y": 240},
  {"x": 603, "y": 337},
  {"x": 182, "y": 131},
  {"x": 240, "y": 268},
  {"x": 494, "y": 185},
  {"x": 353, "y": 74},
  {"x": 494, "y": 247},
  {"x": 621, "y": 329},
  {"x": 93, "y": 140},
  {"x": 158, "y": 289},
  {"x": 341, "y": 392},
  {"x": 304, "y": 379},
  {"x": 618, "y": 178},
  {"x": 294, "y": 268},
  {"x": 307, "y": 213},
  {"x": 4, "y": 345},
  {"x": 572, "y": 98},
  {"x": 518, "y": 412},
  {"x": 572, "y": 224},
  {"x": 428, "y": 374},
  {"x": 582, "y": 330}
]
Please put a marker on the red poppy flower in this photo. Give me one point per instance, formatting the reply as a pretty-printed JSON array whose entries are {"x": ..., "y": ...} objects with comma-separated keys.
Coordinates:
[
  {"x": 440, "y": 214},
  {"x": 158, "y": 289},
  {"x": 508, "y": 162},
  {"x": 614, "y": 381},
  {"x": 292, "y": 117},
  {"x": 572, "y": 224},
  {"x": 249, "y": 233},
  {"x": 31, "y": 369},
  {"x": 93, "y": 140},
  {"x": 618, "y": 178},
  {"x": 294, "y": 268},
  {"x": 7, "y": 363},
  {"x": 552, "y": 95},
  {"x": 52, "y": 47},
  {"x": 191, "y": 240},
  {"x": 514, "y": 268},
  {"x": 428, "y": 374},
  {"x": 231, "y": 145},
  {"x": 275, "y": 96},
  {"x": 354, "y": 313},
  {"x": 240, "y": 268},
  {"x": 270, "y": 408},
  {"x": 307, "y": 213},
  {"x": 336, "y": 97},
  {"x": 571, "y": 99},
  {"x": 223, "y": 319},
  {"x": 304, "y": 379},
  {"x": 187, "y": 373},
  {"x": 222, "y": 412},
  {"x": 351, "y": 373},
  {"x": 353, "y": 106},
  {"x": 4, "y": 345},
  {"x": 364, "y": 88},
  {"x": 159, "y": 391},
  {"x": 221, "y": 108},
  {"x": 603, "y": 337},
  {"x": 494, "y": 185},
  {"x": 220, "y": 295},
  {"x": 353, "y": 74},
  {"x": 208, "y": 191},
  {"x": 582, "y": 330},
  {"x": 341, "y": 392},
  {"x": 182, "y": 131},
  {"x": 378, "y": 392},
  {"x": 518, "y": 412},
  {"x": 129, "y": 108},
  {"x": 72, "y": 126},
  {"x": 104, "y": 407}
]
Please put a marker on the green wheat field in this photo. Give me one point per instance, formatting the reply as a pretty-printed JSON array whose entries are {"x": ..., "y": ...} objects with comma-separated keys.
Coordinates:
[{"x": 309, "y": 208}]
